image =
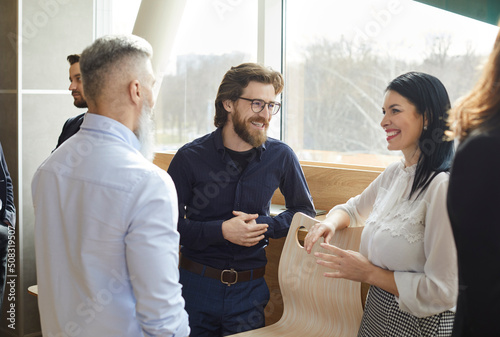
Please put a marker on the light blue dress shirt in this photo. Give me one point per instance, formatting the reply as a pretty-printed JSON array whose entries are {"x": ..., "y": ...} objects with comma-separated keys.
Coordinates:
[{"x": 106, "y": 238}]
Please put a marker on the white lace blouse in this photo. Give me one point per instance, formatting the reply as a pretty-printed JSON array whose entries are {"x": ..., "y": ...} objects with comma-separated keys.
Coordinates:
[{"x": 412, "y": 238}]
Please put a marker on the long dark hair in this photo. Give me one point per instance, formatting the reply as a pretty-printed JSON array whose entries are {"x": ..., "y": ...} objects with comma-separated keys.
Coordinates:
[{"x": 431, "y": 100}]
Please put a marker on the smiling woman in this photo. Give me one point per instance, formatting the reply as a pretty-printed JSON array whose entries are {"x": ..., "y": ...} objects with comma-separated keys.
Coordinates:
[
  {"x": 422, "y": 124},
  {"x": 403, "y": 125},
  {"x": 412, "y": 293}
]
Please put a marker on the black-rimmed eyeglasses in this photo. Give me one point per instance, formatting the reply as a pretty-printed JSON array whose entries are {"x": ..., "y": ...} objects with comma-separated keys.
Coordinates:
[{"x": 258, "y": 105}]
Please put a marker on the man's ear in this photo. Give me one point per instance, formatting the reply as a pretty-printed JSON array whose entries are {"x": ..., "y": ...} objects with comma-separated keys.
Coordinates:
[
  {"x": 135, "y": 91},
  {"x": 228, "y": 105}
]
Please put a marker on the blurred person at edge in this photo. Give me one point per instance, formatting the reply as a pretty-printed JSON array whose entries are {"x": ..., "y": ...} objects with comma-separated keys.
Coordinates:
[
  {"x": 106, "y": 217},
  {"x": 407, "y": 252},
  {"x": 72, "y": 125},
  {"x": 7, "y": 217},
  {"x": 224, "y": 233},
  {"x": 473, "y": 201}
]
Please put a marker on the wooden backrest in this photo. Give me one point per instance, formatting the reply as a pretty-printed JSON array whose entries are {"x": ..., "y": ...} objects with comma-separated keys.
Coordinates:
[
  {"x": 329, "y": 186},
  {"x": 321, "y": 306},
  {"x": 163, "y": 159}
]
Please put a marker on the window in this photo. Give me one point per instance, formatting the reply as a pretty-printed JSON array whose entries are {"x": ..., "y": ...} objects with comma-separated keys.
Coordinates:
[
  {"x": 340, "y": 56},
  {"x": 212, "y": 37},
  {"x": 115, "y": 16}
]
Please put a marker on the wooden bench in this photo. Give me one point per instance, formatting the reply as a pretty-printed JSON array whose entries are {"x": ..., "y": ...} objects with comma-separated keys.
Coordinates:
[{"x": 329, "y": 185}]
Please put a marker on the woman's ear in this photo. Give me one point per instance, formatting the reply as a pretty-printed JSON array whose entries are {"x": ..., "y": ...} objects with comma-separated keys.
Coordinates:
[{"x": 426, "y": 121}]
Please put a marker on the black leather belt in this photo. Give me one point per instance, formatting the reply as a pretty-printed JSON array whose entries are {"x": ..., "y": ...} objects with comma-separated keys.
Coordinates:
[{"x": 226, "y": 276}]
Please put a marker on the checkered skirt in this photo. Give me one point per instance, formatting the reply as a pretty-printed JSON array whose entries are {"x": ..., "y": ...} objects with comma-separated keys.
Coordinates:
[{"x": 383, "y": 318}]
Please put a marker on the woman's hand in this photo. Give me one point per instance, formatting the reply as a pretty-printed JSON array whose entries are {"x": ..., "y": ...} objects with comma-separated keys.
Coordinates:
[
  {"x": 345, "y": 263},
  {"x": 336, "y": 220},
  {"x": 321, "y": 229},
  {"x": 353, "y": 266}
]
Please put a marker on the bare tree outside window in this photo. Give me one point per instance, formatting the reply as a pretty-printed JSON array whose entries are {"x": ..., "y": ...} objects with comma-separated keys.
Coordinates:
[
  {"x": 337, "y": 72},
  {"x": 338, "y": 58}
]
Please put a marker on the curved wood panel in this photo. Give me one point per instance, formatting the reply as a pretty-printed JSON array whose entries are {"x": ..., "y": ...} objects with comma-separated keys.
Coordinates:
[
  {"x": 313, "y": 304},
  {"x": 331, "y": 186},
  {"x": 163, "y": 159}
]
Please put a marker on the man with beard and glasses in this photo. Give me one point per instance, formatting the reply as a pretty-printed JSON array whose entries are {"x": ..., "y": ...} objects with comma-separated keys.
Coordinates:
[
  {"x": 72, "y": 125},
  {"x": 107, "y": 246},
  {"x": 225, "y": 181}
]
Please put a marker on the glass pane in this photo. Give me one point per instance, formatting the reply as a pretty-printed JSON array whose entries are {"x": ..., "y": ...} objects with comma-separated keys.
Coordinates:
[
  {"x": 213, "y": 36},
  {"x": 340, "y": 56},
  {"x": 115, "y": 16},
  {"x": 124, "y": 14}
]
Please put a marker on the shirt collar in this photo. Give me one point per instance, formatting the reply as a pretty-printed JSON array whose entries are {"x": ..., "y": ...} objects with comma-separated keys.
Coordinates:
[
  {"x": 410, "y": 170},
  {"x": 219, "y": 144},
  {"x": 103, "y": 124}
]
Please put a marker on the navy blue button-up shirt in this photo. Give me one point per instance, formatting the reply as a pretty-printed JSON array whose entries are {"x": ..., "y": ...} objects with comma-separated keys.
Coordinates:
[{"x": 210, "y": 187}]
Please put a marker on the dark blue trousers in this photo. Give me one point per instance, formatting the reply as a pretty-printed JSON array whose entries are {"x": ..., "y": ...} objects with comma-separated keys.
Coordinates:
[{"x": 218, "y": 310}]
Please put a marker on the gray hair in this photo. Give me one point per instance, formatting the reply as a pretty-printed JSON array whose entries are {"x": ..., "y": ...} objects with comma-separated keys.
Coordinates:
[{"x": 111, "y": 56}]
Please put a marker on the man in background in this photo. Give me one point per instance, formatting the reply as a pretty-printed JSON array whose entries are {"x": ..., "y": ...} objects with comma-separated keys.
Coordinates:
[
  {"x": 72, "y": 125},
  {"x": 105, "y": 216},
  {"x": 7, "y": 217},
  {"x": 225, "y": 181}
]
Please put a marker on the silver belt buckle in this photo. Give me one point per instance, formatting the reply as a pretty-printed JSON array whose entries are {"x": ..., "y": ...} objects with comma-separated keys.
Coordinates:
[{"x": 228, "y": 271}]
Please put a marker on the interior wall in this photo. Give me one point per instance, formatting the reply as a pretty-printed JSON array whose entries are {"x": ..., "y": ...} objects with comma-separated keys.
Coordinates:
[{"x": 8, "y": 84}]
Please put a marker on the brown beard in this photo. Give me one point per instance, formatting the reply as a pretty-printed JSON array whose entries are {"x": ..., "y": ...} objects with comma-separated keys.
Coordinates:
[
  {"x": 80, "y": 103},
  {"x": 241, "y": 128}
]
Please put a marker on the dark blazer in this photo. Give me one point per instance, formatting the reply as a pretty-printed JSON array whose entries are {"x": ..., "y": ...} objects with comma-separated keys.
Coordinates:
[
  {"x": 474, "y": 210},
  {"x": 71, "y": 127},
  {"x": 8, "y": 210}
]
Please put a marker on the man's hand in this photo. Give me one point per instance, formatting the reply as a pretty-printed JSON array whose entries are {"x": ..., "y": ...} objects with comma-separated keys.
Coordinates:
[{"x": 243, "y": 230}]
